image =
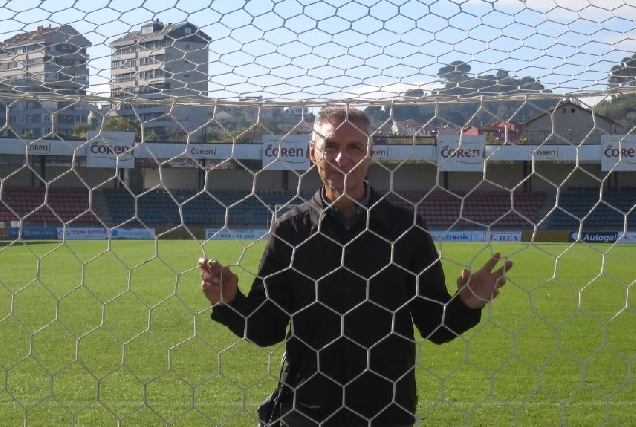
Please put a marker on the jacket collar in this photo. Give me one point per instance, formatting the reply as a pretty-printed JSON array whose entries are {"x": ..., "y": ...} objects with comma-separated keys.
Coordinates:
[{"x": 381, "y": 210}]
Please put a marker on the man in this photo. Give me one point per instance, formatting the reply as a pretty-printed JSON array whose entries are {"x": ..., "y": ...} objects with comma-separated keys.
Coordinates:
[{"x": 350, "y": 274}]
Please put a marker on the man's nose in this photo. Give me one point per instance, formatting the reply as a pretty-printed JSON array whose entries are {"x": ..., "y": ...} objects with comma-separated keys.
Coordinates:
[{"x": 341, "y": 156}]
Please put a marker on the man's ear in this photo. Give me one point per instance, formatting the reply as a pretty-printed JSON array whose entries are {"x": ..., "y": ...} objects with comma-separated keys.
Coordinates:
[{"x": 312, "y": 152}]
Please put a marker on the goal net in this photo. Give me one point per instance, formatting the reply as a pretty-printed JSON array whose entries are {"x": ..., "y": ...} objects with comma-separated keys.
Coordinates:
[{"x": 136, "y": 137}]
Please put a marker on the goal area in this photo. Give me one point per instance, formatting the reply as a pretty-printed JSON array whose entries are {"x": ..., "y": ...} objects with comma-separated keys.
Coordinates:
[{"x": 137, "y": 137}]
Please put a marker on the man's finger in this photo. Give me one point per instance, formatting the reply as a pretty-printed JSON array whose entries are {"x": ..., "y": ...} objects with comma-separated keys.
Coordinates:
[
  {"x": 228, "y": 273},
  {"x": 504, "y": 269},
  {"x": 492, "y": 262},
  {"x": 463, "y": 278},
  {"x": 210, "y": 265}
]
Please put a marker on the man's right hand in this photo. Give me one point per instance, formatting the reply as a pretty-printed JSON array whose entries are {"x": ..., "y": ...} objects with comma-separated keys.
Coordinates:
[{"x": 218, "y": 283}]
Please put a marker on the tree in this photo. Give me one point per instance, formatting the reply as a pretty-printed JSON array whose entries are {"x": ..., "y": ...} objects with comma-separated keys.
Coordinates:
[
  {"x": 618, "y": 107},
  {"x": 120, "y": 124},
  {"x": 454, "y": 72},
  {"x": 406, "y": 112},
  {"x": 115, "y": 124},
  {"x": 487, "y": 84},
  {"x": 502, "y": 74},
  {"x": 623, "y": 74},
  {"x": 376, "y": 114},
  {"x": 178, "y": 135},
  {"x": 80, "y": 131}
]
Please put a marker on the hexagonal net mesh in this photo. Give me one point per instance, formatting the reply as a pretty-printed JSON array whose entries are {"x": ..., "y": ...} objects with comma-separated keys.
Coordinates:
[{"x": 139, "y": 136}]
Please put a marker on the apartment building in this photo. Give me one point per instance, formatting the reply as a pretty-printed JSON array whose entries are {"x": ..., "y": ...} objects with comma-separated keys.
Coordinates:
[
  {"x": 39, "y": 72},
  {"x": 166, "y": 66}
]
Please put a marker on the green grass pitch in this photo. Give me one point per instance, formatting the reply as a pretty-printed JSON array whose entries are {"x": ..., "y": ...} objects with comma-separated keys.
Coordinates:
[{"x": 101, "y": 333}]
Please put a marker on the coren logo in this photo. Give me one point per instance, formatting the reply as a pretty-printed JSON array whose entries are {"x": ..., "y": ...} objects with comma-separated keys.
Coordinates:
[
  {"x": 460, "y": 153},
  {"x": 98, "y": 148}
]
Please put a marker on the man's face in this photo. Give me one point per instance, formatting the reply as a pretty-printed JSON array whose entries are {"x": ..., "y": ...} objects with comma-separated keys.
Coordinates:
[{"x": 340, "y": 155}]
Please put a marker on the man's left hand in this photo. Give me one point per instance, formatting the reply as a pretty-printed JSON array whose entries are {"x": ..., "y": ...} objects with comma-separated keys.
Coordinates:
[{"x": 483, "y": 286}]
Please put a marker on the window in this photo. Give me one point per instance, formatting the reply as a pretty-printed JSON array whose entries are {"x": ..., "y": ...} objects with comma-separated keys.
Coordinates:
[{"x": 188, "y": 30}]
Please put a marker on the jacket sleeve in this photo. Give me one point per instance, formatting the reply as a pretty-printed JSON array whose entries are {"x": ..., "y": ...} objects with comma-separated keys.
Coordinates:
[
  {"x": 262, "y": 316},
  {"x": 439, "y": 316}
]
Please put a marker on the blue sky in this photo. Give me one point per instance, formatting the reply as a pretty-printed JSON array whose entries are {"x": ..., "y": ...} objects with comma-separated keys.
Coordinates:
[{"x": 364, "y": 49}]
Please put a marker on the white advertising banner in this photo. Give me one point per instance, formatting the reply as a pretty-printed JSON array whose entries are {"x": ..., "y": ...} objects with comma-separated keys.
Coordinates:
[
  {"x": 548, "y": 153},
  {"x": 79, "y": 233},
  {"x": 459, "y": 153},
  {"x": 505, "y": 236},
  {"x": 235, "y": 234},
  {"x": 629, "y": 237},
  {"x": 452, "y": 236},
  {"x": 208, "y": 151},
  {"x": 40, "y": 147},
  {"x": 163, "y": 151},
  {"x": 475, "y": 236},
  {"x": 133, "y": 233},
  {"x": 286, "y": 152},
  {"x": 408, "y": 153},
  {"x": 618, "y": 152},
  {"x": 110, "y": 150},
  {"x": 615, "y": 153},
  {"x": 542, "y": 153}
]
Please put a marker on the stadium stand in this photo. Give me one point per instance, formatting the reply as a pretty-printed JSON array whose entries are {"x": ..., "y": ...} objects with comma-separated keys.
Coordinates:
[
  {"x": 610, "y": 209},
  {"x": 57, "y": 206},
  {"x": 440, "y": 208},
  {"x": 242, "y": 208},
  {"x": 208, "y": 208},
  {"x": 478, "y": 209}
]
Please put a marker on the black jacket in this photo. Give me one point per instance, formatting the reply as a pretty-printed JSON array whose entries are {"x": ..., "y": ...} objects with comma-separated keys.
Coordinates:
[{"x": 350, "y": 298}]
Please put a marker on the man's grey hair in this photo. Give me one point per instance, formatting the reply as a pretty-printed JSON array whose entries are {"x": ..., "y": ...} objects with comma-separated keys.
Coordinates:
[{"x": 338, "y": 114}]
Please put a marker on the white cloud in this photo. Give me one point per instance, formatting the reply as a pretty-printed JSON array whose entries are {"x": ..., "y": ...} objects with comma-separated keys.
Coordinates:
[{"x": 101, "y": 88}]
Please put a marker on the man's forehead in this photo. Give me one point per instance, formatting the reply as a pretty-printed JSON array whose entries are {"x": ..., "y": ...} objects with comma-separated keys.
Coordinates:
[{"x": 329, "y": 129}]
